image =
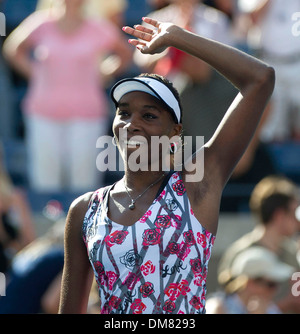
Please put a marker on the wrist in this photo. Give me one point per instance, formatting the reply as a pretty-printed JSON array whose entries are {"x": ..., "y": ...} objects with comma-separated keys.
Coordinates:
[{"x": 173, "y": 35}]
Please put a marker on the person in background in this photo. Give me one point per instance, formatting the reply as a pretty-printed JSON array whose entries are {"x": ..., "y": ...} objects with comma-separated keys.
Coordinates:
[
  {"x": 16, "y": 221},
  {"x": 35, "y": 275},
  {"x": 273, "y": 34},
  {"x": 60, "y": 51},
  {"x": 275, "y": 204},
  {"x": 258, "y": 274}
]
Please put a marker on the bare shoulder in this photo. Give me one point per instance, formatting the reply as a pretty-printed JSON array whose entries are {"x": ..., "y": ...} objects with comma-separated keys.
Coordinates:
[{"x": 77, "y": 211}]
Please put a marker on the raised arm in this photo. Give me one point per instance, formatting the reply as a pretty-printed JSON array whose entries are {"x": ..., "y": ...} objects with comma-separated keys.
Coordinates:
[{"x": 253, "y": 78}]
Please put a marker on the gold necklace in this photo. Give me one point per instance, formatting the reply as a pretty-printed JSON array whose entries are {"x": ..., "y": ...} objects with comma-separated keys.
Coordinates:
[{"x": 132, "y": 204}]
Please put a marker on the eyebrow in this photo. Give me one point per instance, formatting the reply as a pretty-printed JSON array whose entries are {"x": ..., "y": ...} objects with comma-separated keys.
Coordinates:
[{"x": 147, "y": 106}]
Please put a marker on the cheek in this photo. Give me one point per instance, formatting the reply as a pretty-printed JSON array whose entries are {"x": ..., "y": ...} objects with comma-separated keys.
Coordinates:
[{"x": 116, "y": 127}]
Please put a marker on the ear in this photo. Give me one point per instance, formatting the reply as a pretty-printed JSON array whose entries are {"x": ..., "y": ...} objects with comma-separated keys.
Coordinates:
[{"x": 177, "y": 129}]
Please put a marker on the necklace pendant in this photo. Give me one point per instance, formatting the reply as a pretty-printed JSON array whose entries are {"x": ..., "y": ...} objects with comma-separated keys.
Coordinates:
[{"x": 131, "y": 206}]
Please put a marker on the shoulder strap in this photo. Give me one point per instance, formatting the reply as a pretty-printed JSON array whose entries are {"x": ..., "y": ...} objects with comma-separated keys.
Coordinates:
[{"x": 165, "y": 181}]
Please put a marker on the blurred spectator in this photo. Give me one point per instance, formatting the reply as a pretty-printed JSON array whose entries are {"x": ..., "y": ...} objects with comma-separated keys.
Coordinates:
[
  {"x": 197, "y": 17},
  {"x": 7, "y": 121},
  {"x": 16, "y": 222},
  {"x": 35, "y": 275},
  {"x": 239, "y": 21},
  {"x": 275, "y": 202},
  {"x": 255, "y": 164},
  {"x": 112, "y": 10},
  {"x": 272, "y": 35},
  {"x": 193, "y": 78},
  {"x": 158, "y": 4},
  {"x": 258, "y": 273},
  {"x": 66, "y": 107}
]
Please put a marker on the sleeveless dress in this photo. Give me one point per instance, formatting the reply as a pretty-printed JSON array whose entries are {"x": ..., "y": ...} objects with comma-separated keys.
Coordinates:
[{"x": 156, "y": 266}]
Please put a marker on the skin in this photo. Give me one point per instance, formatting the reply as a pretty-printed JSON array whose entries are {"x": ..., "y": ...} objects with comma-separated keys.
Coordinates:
[{"x": 255, "y": 81}]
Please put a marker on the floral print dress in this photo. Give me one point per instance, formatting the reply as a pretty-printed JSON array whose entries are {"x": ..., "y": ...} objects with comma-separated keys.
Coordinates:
[{"x": 156, "y": 266}]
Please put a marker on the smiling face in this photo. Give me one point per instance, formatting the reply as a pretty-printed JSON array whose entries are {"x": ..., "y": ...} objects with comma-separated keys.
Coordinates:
[{"x": 139, "y": 119}]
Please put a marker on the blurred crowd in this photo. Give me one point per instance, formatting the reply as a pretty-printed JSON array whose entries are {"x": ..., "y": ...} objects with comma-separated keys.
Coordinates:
[{"x": 58, "y": 61}]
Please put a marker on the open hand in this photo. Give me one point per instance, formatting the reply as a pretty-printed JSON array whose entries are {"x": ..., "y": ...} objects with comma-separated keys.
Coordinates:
[{"x": 150, "y": 40}]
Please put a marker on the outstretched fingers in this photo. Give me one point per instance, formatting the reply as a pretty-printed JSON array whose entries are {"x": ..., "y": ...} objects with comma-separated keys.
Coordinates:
[
  {"x": 145, "y": 35},
  {"x": 153, "y": 22},
  {"x": 140, "y": 32}
]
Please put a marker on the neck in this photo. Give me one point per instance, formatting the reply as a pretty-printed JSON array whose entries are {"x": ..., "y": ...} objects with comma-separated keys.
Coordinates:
[
  {"x": 141, "y": 179},
  {"x": 72, "y": 13}
]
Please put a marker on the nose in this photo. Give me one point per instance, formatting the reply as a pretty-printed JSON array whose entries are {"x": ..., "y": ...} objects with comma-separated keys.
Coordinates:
[{"x": 133, "y": 124}]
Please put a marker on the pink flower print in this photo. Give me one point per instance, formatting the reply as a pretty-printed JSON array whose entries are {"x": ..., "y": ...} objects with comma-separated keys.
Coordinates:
[
  {"x": 200, "y": 277},
  {"x": 131, "y": 280},
  {"x": 173, "y": 248},
  {"x": 114, "y": 302},
  {"x": 196, "y": 302},
  {"x": 147, "y": 289},
  {"x": 138, "y": 306},
  {"x": 184, "y": 287},
  {"x": 184, "y": 251},
  {"x": 169, "y": 306},
  {"x": 148, "y": 268},
  {"x": 207, "y": 253},
  {"x": 201, "y": 239},
  {"x": 196, "y": 266},
  {"x": 145, "y": 216},
  {"x": 198, "y": 280},
  {"x": 189, "y": 238},
  {"x": 175, "y": 176},
  {"x": 176, "y": 222},
  {"x": 172, "y": 291},
  {"x": 112, "y": 277},
  {"x": 179, "y": 187},
  {"x": 163, "y": 221},
  {"x": 99, "y": 268},
  {"x": 161, "y": 196},
  {"x": 116, "y": 237},
  {"x": 151, "y": 237}
]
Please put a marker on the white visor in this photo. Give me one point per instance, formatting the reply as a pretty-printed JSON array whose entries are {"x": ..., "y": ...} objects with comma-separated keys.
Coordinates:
[{"x": 148, "y": 85}]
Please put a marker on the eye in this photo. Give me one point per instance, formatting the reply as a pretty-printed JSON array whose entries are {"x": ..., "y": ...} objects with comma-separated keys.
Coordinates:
[
  {"x": 150, "y": 116},
  {"x": 122, "y": 113}
]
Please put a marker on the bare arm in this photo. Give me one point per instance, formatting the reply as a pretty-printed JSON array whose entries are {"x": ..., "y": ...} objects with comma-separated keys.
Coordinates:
[
  {"x": 17, "y": 46},
  {"x": 77, "y": 273},
  {"x": 253, "y": 78}
]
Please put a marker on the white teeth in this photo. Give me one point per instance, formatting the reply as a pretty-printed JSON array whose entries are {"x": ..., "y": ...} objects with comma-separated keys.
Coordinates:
[{"x": 133, "y": 142}]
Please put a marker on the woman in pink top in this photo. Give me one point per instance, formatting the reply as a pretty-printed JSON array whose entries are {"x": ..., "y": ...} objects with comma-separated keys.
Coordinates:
[{"x": 65, "y": 106}]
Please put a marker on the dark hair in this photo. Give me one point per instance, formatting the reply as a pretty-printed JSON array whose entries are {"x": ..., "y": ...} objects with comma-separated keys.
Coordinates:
[
  {"x": 170, "y": 85},
  {"x": 270, "y": 194}
]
